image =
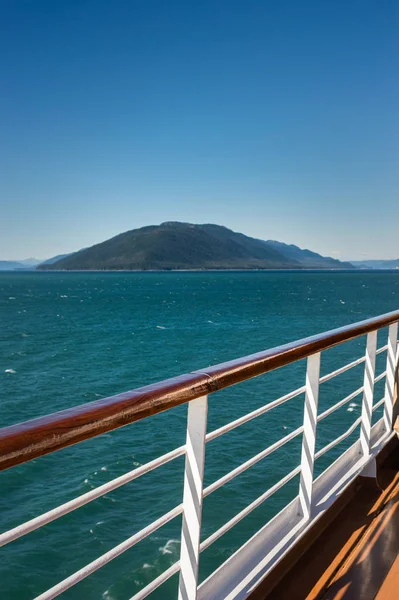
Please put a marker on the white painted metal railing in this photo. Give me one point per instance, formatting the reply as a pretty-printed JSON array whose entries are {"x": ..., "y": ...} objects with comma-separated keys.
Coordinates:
[{"x": 292, "y": 521}]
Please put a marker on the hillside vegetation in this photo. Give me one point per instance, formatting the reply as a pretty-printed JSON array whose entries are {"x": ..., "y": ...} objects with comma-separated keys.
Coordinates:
[{"x": 174, "y": 245}]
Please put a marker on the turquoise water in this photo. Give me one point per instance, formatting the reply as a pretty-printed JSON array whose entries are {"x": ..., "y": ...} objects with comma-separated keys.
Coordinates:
[{"x": 72, "y": 338}]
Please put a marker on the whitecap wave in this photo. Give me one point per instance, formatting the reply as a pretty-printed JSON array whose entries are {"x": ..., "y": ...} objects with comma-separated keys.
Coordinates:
[{"x": 169, "y": 547}]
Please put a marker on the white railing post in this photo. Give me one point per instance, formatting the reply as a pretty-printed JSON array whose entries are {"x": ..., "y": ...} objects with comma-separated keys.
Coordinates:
[
  {"x": 368, "y": 392},
  {"x": 309, "y": 433},
  {"x": 390, "y": 376},
  {"x": 192, "y": 498}
]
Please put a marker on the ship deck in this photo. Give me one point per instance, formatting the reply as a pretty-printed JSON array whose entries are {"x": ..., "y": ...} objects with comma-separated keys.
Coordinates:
[{"x": 356, "y": 553}]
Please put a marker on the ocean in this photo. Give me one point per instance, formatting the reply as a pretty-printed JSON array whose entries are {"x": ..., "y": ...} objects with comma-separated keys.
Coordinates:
[{"x": 71, "y": 338}]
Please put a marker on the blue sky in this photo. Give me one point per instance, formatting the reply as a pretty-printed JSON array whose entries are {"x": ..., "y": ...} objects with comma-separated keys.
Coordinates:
[{"x": 277, "y": 119}]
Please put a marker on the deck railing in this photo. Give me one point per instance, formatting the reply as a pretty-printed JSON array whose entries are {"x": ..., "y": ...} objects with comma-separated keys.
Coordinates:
[{"x": 242, "y": 571}]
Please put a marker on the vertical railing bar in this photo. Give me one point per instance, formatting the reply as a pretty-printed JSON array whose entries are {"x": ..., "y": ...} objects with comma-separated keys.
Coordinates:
[
  {"x": 390, "y": 376},
  {"x": 368, "y": 393},
  {"x": 192, "y": 498},
  {"x": 309, "y": 434}
]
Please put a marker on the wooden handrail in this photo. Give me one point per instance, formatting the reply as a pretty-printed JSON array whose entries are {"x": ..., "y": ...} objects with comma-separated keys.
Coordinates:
[{"x": 31, "y": 439}]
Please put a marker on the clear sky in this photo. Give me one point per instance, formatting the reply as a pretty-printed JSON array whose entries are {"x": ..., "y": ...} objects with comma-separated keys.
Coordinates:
[{"x": 277, "y": 118}]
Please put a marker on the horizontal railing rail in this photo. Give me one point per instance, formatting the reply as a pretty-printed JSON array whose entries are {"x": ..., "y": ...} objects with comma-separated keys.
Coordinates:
[
  {"x": 20, "y": 443},
  {"x": 31, "y": 439}
]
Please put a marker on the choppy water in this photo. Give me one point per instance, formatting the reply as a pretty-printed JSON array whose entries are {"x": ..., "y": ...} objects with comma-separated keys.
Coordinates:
[{"x": 76, "y": 337}]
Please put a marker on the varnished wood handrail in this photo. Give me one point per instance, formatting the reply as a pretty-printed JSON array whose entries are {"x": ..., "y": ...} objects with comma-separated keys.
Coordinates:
[{"x": 31, "y": 439}]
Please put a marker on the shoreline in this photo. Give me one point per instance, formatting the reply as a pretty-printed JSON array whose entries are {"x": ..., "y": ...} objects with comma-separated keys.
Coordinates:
[{"x": 297, "y": 270}]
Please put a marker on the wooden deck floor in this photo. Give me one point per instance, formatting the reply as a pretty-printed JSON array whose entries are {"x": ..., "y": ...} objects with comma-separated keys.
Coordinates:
[
  {"x": 371, "y": 567},
  {"x": 357, "y": 555}
]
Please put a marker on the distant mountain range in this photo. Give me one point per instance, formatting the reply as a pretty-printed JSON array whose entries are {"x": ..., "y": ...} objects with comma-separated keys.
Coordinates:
[
  {"x": 13, "y": 265},
  {"x": 376, "y": 264},
  {"x": 179, "y": 246},
  {"x": 28, "y": 264},
  {"x": 175, "y": 245}
]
